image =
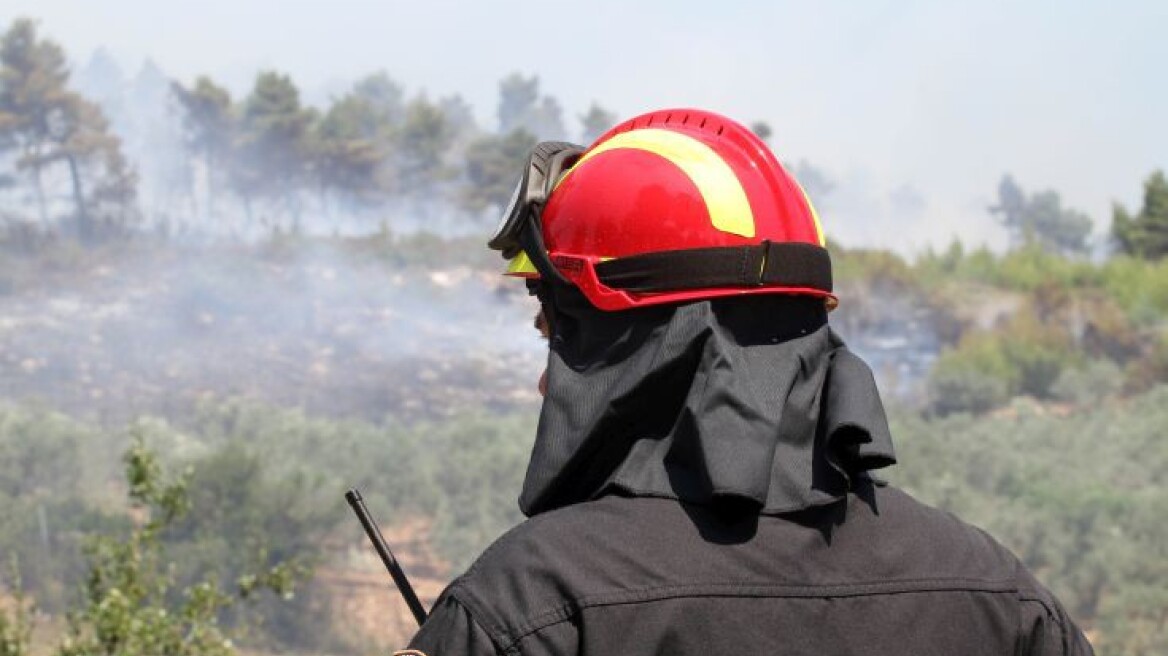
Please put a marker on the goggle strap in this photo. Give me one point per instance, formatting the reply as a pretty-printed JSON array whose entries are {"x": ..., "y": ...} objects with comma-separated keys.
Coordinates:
[
  {"x": 770, "y": 264},
  {"x": 546, "y": 163},
  {"x": 531, "y": 239}
]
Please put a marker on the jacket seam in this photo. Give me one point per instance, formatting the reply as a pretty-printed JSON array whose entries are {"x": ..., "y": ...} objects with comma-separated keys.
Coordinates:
[
  {"x": 1050, "y": 611},
  {"x": 502, "y": 540},
  {"x": 776, "y": 591},
  {"x": 501, "y": 638}
]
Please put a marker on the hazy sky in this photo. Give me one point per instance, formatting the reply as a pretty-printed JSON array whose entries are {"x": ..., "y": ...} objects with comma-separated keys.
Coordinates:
[{"x": 902, "y": 102}]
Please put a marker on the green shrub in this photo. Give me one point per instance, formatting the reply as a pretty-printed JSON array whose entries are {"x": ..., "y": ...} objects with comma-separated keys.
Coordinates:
[
  {"x": 1140, "y": 287},
  {"x": 872, "y": 267},
  {"x": 986, "y": 368},
  {"x": 1151, "y": 369},
  {"x": 16, "y": 618},
  {"x": 1037, "y": 351},
  {"x": 1089, "y": 384},
  {"x": 974, "y": 378},
  {"x": 132, "y": 604},
  {"x": 1032, "y": 267}
]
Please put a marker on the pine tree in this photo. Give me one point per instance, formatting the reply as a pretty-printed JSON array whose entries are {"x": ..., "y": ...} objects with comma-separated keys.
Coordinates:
[
  {"x": 349, "y": 146},
  {"x": 595, "y": 123},
  {"x": 272, "y": 143},
  {"x": 33, "y": 75},
  {"x": 493, "y": 166},
  {"x": 522, "y": 108},
  {"x": 209, "y": 125},
  {"x": 1145, "y": 234},
  {"x": 50, "y": 126},
  {"x": 422, "y": 144},
  {"x": 1040, "y": 219}
]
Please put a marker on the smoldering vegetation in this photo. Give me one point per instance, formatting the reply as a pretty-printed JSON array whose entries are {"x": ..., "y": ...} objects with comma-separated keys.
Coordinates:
[{"x": 157, "y": 329}]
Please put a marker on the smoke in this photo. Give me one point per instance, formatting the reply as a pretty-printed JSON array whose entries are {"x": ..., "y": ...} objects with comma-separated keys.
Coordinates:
[
  {"x": 320, "y": 302},
  {"x": 162, "y": 328}
]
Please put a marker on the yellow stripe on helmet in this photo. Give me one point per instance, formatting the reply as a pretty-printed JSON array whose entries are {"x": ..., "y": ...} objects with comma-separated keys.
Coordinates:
[
  {"x": 520, "y": 265},
  {"x": 725, "y": 198},
  {"x": 814, "y": 216}
]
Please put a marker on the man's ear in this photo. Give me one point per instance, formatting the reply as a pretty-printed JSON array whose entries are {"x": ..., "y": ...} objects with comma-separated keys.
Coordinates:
[{"x": 541, "y": 323}]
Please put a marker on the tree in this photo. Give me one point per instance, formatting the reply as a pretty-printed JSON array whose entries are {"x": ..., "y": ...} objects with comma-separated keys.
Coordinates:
[
  {"x": 548, "y": 120},
  {"x": 422, "y": 144},
  {"x": 517, "y": 98},
  {"x": 282, "y": 520},
  {"x": 49, "y": 125},
  {"x": 209, "y": 125},
  {"x": 1011, "y": 203},
  {"x": 92, "y": 153},
  {"x": 493, "y": 166},
  {"x": 1059, "y": 229},
  {"x": 762, "y": 129},
  {"x": 595, "y": 122},
  {"x": 460, "y": 115},
  {"x": 1040, "y": 219},
  {"x": 520, "y": 107},
  {"x": 1145, "y": 234},
  {"x": 353, "y": 141},
  {"x": 383, "y": 96},
  {"x": 271, "y": 144},
  {"x": 115, "y": 188},
  {"x": 33, "y": 75},
  {"x": 132, "y": 606},
  {"x": 350, "y": 143}
]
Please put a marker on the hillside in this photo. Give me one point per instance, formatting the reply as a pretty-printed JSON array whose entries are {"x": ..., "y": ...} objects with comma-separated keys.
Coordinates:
[{"x": 283, "y": 372}]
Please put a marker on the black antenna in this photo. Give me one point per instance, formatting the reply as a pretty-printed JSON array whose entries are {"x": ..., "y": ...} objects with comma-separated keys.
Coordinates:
[{"x": 395, "y": 570}]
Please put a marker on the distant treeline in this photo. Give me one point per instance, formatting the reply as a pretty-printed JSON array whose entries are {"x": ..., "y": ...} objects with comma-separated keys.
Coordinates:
[
  {"x": 266, "y": 156},
  {"x": 374, "y": 155}
]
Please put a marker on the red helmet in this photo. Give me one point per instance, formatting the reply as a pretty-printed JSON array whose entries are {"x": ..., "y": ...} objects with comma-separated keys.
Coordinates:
[{"x": 670, "y": 206}]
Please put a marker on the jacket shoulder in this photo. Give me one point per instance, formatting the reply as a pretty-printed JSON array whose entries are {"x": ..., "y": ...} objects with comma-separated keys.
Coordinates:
[
  {"x": 902, "y": 529},
  {"x": 535, "y": 572}
]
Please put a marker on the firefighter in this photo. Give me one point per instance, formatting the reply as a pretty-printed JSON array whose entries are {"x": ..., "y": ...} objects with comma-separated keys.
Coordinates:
[{"x": 701, "y": 476}]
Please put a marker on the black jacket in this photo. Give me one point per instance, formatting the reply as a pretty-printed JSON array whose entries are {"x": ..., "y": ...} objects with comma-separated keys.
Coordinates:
[
  {"x": 876, "y": 574},
  {"x": 699, "y": 485}
]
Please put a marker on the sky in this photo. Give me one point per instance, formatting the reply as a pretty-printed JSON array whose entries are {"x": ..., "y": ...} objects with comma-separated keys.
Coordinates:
[{"x": 915, "y": 109}]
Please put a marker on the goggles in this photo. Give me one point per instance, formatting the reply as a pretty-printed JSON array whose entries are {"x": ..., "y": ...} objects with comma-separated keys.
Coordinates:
[{"x": 519, "y": 230}]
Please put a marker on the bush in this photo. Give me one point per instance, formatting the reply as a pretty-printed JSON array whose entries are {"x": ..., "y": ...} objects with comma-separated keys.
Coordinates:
[
  {"x": 1140, "y": 287},
  {"x": 1151, "y": 369},
  {"x": 1089, "y": 384},
  {"x": 51, "y": 473},
  {"x": 1032, "y": 267},
  {"x": 873, "y": 267},
  {"x": 132, "y": 604},
  {"x": 963, "y": 382},
  {"x": 985, "y": 369},
  {"x": 1037, "y": 351},
  {"x": 15, "y": 617}
]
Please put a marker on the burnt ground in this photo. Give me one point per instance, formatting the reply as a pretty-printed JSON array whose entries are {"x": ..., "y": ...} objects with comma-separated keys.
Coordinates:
[{"x": 112, "y": 335}]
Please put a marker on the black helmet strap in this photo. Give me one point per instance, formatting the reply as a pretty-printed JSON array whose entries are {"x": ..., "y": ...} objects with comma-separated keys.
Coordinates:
[{"x": 786, "y": 264}]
